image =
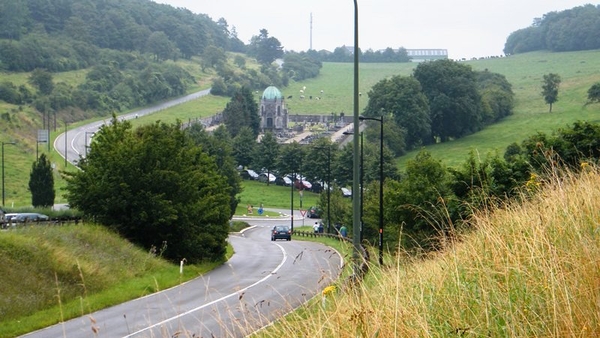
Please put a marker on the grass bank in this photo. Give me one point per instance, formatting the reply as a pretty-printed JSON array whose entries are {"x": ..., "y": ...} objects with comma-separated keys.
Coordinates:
[
  {"x": 53, "y": 273},
  {"x": 527, "y": 270}
]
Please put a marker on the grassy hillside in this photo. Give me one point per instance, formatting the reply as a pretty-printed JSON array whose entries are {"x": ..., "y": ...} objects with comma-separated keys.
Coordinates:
[
  {"x": 527, "y": 270},
  {"x": 578, "y": 70},
  {"x": 72, "y": 270}
]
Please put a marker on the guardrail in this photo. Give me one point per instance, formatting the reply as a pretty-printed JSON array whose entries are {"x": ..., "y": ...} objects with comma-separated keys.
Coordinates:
[
  {"x": 364, "y": 266},
  {"x": 54, "y": 221}
]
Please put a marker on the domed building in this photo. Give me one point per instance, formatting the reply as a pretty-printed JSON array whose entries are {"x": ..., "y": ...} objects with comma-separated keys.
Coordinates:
[{"x": 273, "y": 114}]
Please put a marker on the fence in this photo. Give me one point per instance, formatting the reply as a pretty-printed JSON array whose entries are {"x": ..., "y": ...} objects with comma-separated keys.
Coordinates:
[{"x": 53, "y": 221}]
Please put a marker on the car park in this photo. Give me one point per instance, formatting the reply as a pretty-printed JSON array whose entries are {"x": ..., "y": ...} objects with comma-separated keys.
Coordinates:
[{"x": 281, "y": 232}]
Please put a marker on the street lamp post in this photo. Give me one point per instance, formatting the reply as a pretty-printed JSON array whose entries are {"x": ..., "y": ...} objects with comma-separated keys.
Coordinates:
[
  {"x": 380, "y": 120},
  {"x": 3, "y": 143},
  {"x": 362, "y": 176},
  {"x": 66, "y": 149},
  {"x": 86, "y": 141},
  {"x": 355, "y": 167},
  {"x": 328, "y": 187},
  {"x": 292, "y": 202}
]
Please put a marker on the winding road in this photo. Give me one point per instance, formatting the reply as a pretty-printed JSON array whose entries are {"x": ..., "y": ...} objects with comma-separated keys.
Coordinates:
[
  {"x": 261, "y": 282},
  {"x": 72, "y": 144}
]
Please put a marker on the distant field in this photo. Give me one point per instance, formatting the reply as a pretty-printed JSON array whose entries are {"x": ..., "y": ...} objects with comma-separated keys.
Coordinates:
[{"x": 578, "y": 70}]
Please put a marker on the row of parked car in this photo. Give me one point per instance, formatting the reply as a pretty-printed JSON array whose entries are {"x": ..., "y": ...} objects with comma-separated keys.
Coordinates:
[
  {"x": 286, "y": 180},
  {"x": 24, "y": 217}
]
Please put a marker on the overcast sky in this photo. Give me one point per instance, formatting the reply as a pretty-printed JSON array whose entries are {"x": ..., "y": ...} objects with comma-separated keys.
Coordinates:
[{"x": 466, "y": 28}]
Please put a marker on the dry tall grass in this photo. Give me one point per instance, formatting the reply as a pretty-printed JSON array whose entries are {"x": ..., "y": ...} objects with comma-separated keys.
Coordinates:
[{"x": 528, "y": 270}]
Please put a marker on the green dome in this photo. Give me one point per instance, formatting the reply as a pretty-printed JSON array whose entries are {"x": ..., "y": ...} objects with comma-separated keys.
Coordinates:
[{"x": 272, "y": 93}]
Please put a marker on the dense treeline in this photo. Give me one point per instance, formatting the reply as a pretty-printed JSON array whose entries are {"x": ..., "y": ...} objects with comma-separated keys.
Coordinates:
[
  {"x": 346, "y": 54},
  {"x": 48, "y": 32},
  {"x": 570, "y": 30},
  {"x": 442, "y": 100},
  {"x": 125, "y": 44}
]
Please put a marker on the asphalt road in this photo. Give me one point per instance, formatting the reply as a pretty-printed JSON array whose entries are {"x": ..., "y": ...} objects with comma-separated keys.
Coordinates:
[
  {"x": 72, "y": 143},
  {"x": 261, "y": 282}
]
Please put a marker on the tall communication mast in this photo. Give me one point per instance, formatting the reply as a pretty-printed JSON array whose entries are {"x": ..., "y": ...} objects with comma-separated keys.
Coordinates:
[{"x": 310, "y": 30}]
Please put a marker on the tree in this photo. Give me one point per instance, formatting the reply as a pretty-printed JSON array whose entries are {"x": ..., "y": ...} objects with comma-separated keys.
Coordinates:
[
  {"x": 322, "y": 153},
  {"x": 154, "y": 186},
  {"x": 403, "y": 97},
  {"x": 454, "y": 102},
  {"x": 594, "y": 93},
  {"x": 160, "y": 46},
  {"x": 42, "y": 80},
  {"x": 550, "y": 86},
  {"x": 244, "y": 144},
  {"x": 219, "y": 146},
  {"x": 267, "y": 153},
  {"x": 266, "y": 49},
  {"x": 422, "y": 198},
  {"x": 496, "y": 95},
  {"x": 241, "y": 110},
  {"x": 41, "y": 183},
  {"x": 13, "y": 14},
  {"x": 291, "y": 158},
  {"x": 212, "y": 57}
]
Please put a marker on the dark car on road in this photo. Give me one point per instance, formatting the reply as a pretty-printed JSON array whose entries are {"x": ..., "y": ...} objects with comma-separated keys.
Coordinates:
[{"x": 281, "y": 232}]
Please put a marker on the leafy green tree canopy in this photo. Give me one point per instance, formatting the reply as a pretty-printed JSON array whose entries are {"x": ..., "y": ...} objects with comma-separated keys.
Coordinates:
[
  {"x": 241, "y": 111},
  {"x": 41, "y": 183},
  {"x": 550, "y": 86},
  {"x": 594, "y": 93},
  {"x": 154, "y": 187},
  {"x": 42, "y": 80},
  {"x": 403, "y": 98},
  {"x": 454, "y": 101},
  {"x": 266, "y": 49}
]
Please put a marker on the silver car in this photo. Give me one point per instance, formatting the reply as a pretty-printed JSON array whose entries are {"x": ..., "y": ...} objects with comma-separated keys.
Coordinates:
[{"x": 29, "y": 217}]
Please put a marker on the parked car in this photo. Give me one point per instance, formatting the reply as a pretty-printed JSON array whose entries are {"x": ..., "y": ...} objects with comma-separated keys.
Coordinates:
[
  {"x": 346, "y": 192},
  {"x": 9, "y": 218},
  {"x": 314, "y": 212},
  {"x": 283, "y": 180},
  {"x": 302, "y": 185},
  {"x": 264, "y": 177},
  {"x": 249, "y": 174},
  {"x": 316, "y": 188},
  {"x": 29, "y": 217},
  {"x": 281, "y": 232}
]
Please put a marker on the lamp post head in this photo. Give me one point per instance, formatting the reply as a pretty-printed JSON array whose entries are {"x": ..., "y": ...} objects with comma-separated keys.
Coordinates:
[{"x": 364, "y": 118}]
